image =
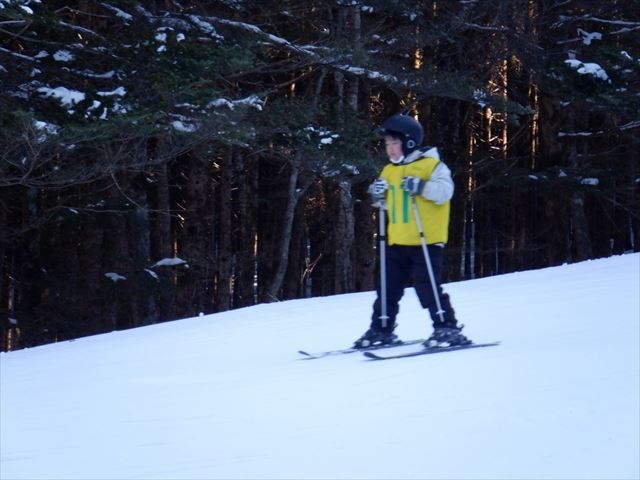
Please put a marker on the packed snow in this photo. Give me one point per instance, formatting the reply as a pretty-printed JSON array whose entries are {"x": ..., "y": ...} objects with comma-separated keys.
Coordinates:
[{"x": 227, "y": 396}]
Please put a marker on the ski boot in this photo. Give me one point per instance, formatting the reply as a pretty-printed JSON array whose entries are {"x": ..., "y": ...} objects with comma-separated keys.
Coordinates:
[
  {"x": 446, "y": 336},
  {"x": 375, "y": 337}
]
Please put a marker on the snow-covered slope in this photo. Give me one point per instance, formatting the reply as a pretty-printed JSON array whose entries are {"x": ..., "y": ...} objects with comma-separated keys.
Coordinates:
[{"x": 227, "y": 396}]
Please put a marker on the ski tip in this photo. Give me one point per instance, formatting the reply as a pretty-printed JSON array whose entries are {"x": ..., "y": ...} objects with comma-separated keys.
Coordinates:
[
  {"x": 310, "y": 356},
  {"x": 371, "y": 355},
  {"x": 485, "y": 344},
  {"x": 306, "y": 355}
]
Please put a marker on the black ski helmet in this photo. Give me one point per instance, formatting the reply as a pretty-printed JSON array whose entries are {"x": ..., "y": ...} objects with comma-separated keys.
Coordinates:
[{"x": 407, "y": 129}]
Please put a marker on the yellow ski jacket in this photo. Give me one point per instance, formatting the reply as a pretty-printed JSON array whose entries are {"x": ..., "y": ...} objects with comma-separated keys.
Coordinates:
[{"x": 433, "y": 202}]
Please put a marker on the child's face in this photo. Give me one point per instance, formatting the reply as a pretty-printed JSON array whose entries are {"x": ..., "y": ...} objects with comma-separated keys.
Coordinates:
[{"x": 393, "y": 147}]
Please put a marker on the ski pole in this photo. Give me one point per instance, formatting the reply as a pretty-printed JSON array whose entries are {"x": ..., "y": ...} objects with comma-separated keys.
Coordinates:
[
  {"x": 383, "y": 266},
  {"x": 427, "y": 259}
]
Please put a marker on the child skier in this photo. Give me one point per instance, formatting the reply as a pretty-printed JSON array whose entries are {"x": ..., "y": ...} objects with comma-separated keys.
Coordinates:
[{"x": 415, "y": 183}]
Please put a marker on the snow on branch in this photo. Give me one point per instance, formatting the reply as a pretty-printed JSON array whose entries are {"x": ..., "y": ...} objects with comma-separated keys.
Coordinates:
[
  {"x": 626, "y": 126},
  {"x": 274, "y": 39},
  {"x": 371, "y": 74},
  {"x": 630, "y": 125},
  {"x": 17, "y": 55},
  {"x": 625, "y": 30},
  {"x": 205, "y": 27},
  {"x": 489, "y": 28},
  {"x": 592, "y": 69},
  {"x": 169, "y": 262},
  {"x": 307, "y": 51},
  {"x": 252, "y": 101},
  {"x": 566, "y": 18},
  {"x": 578, "y": 134},
  {"x": 115, "y": 277},
  {"x": 119, "y": 13},
  {"x": 627, "y": 26},
  {"x": 78, "y": 28}
]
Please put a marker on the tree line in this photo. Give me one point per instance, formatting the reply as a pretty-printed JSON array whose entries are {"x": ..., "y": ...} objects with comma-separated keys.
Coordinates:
[{"x": 163, "y": 159}]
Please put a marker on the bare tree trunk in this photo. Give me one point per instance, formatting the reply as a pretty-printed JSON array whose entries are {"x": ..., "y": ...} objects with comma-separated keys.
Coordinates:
[
  {"x": 224, "y": 259},
  {"x": 291, "y": 285},
  {"x": 353, "y": 87},
  {"x": 580, "y": 228},
  {"x": 293, "y": 196},
  {"x": 579, "y": 222},
  {"x": 139, "y": 234},
  {"x": 162, "y": 229},
  {"x": 344, "y": 225},
  {"x": 247, "y": 204},
  {"x": 344, "y": 235}
]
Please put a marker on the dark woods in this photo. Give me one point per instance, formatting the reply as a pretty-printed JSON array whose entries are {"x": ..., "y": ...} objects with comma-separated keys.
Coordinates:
[{"x": 163, "y": 159}]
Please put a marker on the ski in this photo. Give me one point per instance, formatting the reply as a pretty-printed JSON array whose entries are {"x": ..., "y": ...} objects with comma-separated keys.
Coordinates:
[
  {"x": 427, "y": 351},
  {"x": 345, "y": 351}
]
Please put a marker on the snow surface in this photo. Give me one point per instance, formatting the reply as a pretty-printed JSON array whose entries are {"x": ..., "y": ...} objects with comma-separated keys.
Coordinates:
[{"x": 226, "y": 396}]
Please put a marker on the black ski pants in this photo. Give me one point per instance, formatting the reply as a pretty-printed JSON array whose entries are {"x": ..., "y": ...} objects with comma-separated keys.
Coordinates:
[{"x": 406, "y": 266}]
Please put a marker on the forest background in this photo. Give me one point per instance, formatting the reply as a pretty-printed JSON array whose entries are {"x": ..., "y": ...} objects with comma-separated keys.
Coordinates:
[{"x": 162, "y": 159}]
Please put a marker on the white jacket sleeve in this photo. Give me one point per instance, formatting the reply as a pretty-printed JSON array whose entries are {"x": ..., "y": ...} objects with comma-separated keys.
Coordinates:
[{"x": 439, "y": 188}]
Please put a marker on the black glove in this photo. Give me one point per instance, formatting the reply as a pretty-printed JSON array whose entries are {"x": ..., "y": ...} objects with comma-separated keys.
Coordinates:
[{"x": 413, "y": 185}]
